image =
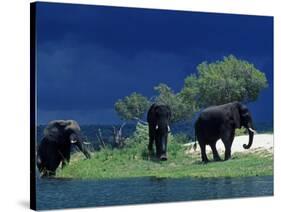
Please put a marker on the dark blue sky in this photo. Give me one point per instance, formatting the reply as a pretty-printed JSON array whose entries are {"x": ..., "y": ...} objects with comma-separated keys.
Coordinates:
[{"x": 90, "y": 56}]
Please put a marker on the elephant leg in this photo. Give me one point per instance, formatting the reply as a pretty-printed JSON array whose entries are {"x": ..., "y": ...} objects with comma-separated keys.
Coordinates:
[
  {"x": 51, "y": 173},
  {"x": 215, "y": 152},
  {"x": 67, "y": 156},
  {"x": 64, "y": 157},
  {"x": 227, "y": 140},
  {"x": 203, "y": 152},
  {"x": 150, "y": 144},
  {"x": 63, "y": 163},
  {"x": 227, "y": 152},
  {"x": 158, "y": 147}
]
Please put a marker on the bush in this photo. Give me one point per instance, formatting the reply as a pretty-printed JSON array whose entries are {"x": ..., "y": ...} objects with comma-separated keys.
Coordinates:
[
  {"x": 139, "y": 140},
  {"x": 182, "y": 138},
  {"x": 141, "y": 135},
  {"x": 241, "y": 131}
]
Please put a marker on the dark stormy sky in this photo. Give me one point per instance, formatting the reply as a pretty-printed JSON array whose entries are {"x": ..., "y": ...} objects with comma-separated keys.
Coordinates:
[{"x": 90, "y": 56}]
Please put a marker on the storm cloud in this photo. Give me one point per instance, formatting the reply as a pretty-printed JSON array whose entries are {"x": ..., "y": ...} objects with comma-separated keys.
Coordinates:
[{"x": 90, "y": 56}]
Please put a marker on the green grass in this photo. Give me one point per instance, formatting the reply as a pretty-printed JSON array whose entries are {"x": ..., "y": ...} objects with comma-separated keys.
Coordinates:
[
  {"x": 130, "y": 163},
  {"x": 133, "y": 161}
]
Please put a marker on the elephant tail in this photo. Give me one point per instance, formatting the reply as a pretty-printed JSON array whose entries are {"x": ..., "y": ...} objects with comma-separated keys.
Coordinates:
[{"x": 195, "y": 141}]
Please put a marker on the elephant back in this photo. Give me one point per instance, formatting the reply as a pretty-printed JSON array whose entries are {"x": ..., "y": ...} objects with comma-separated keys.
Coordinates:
[{"x": 56, "y": 128}]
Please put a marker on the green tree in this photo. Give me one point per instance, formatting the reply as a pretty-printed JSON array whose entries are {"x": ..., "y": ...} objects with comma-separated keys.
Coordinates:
[
  {"x": 180, "y": 110},
  {"x": 189, "y": 93},
  {"x": 132, "y": 107},
  {"x": 224, "y": 81}
]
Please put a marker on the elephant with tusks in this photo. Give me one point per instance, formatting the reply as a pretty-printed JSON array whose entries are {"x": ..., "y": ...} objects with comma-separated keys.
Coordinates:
[
  {"x": 55, "y": 147},
  {"x": 220, "y": 122},
  {"x": 158, "y": 118}
]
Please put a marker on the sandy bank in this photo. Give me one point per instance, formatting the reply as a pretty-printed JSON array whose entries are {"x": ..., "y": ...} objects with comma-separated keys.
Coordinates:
[{"x": 261, "y": 142}]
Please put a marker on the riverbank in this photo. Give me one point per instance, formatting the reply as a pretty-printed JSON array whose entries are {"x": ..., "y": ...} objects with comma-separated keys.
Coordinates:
[
  {"x": 261, "y": 142},
  {"x": 133, "y": 161}
]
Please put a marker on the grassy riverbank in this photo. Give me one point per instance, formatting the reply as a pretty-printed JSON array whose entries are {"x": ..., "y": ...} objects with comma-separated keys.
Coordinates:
[
  {"x": 114, "y": 164},
  {"x": 133, "y": 161}
]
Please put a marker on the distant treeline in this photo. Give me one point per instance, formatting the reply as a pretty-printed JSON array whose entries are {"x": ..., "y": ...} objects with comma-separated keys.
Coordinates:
[{"x": 90, "y": 131}]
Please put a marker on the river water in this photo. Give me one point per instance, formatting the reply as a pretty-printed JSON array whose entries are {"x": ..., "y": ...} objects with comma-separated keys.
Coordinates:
[{"x": 67, "y": 193}]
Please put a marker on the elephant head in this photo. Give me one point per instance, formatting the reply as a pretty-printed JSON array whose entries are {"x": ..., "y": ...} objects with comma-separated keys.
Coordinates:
[
  {"x": 66, "y": 132},
  {"x": 242, "y": 117}
]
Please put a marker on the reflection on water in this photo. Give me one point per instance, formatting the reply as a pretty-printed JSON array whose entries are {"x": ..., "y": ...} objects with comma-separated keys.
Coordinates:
[{"x": 62, "y": 193}]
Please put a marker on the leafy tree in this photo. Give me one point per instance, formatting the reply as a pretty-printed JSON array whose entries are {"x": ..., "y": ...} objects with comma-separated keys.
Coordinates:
[
  {"x": 190, "y": 92},
  {"x": 180, "y": 110},
  {"x": 132, "y": 107},
  {"x": 224, "y": 81}
]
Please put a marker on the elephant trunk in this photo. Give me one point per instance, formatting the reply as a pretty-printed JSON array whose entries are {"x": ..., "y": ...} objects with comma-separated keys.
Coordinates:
[
  {"x": 85, "y": 151},
  {"x": 162, "y": 134},
  {"x": 87, "y": 154},
  {"x": 77, "y": 140},
  {"x": 163, "y": 155},
  {"x": 251, "y": 138}
]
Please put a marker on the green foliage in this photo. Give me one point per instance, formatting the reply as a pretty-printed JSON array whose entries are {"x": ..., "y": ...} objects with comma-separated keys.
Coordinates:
[
  {"x": 224, "y": 81},
  {"x": 133, "y": 106},
  {"x": 140, "y": 138},
  {"x": 241, "y": 131},
  {"x": 182, "y": 138},
  {"x": 181, "y": 110},
  {"x": 190, "y": 92},
  {"x": 141, "y": 133},
  {"x": 216, "y": 83}
]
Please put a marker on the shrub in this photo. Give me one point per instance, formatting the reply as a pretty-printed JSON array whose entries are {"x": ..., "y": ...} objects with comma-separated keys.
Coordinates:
[
  {"x": 241, "y": 131},
  {"x": 182, "y": 138}
]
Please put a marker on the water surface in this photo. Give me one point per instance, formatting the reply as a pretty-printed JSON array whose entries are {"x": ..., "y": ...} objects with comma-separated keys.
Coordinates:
[{"x": 63, "y": 193}]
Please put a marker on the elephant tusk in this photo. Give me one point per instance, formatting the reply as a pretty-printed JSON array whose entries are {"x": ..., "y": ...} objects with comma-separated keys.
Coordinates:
[
  {"x": 73, "y": 141},
  {"x": 169, "y": 130},
  {"x": 252, "y": 130},
  {"x": 156, "y": 127},
  {"x": 87, "y": 143}
]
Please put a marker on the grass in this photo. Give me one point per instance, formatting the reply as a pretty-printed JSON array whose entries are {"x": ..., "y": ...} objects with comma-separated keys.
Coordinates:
[
  {"x": 133, "y": 161},
  {"x": 108, "y": 164}
]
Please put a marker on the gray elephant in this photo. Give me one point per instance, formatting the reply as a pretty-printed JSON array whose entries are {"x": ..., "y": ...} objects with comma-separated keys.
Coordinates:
[
  {"x": 55, "y": 146},
  {"x": 158, "y": 118},
  {"x": 220, "y": 122}
]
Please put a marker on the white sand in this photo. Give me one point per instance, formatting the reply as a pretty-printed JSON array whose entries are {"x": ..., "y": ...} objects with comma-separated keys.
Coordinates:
[{"x": 261, "y": 142}]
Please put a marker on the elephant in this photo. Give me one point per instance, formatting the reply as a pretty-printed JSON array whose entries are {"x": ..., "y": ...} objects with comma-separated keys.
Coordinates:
[
  {"x": 55, "y": 147},
  {"x": 220, "y": 122},
  {"x": 158, "y": 118}
]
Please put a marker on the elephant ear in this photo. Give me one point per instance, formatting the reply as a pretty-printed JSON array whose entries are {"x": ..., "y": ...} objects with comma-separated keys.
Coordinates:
[
  {"x": 151, "y": 113},
  {"x": 236, "y": 115},
  {"x": 53, "y": 128},
  {"x": 72, "y": 125}
]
